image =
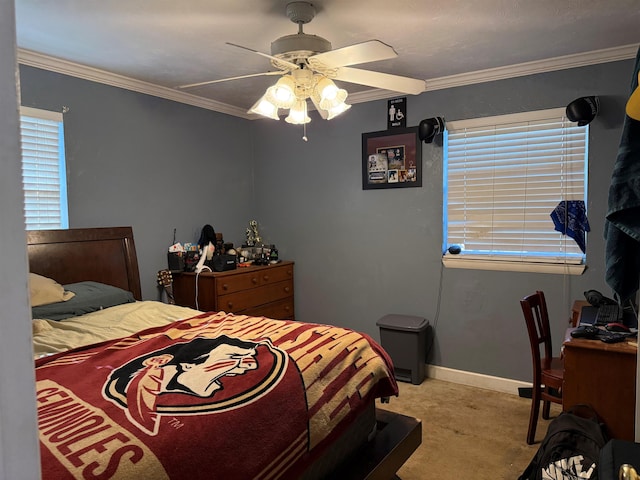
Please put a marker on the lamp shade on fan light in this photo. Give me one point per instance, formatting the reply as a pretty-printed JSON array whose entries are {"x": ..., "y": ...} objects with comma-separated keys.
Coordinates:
[
  {"x": 265, "y": 108},
  {"x": 298, "y": 113},
  {"x": 337, "y": 110},
  {"x": 282, "y": 94},
  {"x": 330, "y": 95}
]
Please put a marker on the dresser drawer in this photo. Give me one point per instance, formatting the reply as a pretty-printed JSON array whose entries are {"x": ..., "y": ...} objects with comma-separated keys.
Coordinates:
[
  {"x": 281, "y": 310},
  {"x": 239, "y": 301},
  {"x": 238, "y": 281},
  {"x": 276, "y": 274}
]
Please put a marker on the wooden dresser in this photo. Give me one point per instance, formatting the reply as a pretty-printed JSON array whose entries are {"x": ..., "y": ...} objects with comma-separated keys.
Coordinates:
[{"x": 255, "y": 290}]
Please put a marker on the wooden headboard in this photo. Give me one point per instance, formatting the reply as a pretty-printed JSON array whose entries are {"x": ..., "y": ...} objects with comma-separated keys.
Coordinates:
[{"x": 105, "y": 255}]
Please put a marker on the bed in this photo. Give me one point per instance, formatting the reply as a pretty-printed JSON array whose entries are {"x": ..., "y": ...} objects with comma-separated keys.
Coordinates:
[{"x": 141, "y": 389}]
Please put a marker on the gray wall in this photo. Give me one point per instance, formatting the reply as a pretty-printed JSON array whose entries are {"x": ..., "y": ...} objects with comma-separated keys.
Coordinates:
[
  {"x": 18, "y": 426},
  {"x": 362, "y": 254},
  {"x": 154, "y": 164}
]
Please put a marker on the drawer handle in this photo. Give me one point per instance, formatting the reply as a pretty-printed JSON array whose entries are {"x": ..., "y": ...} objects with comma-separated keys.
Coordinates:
[
  {"x": 266, "y": 278},
  {"x": 225, "y": 286},
  {"x": 254, "y": 280},
  {"x": 230, "y": 305},
  {"x": 287, "y": 289}
]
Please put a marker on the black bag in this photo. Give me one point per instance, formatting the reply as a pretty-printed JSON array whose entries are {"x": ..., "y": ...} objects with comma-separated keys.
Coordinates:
[
  {"x": 175, "y": 261},
  {"x": 571, "y": 448},
  {"x": 615, "y": 454},
  {"x": 222, "y": 263}
]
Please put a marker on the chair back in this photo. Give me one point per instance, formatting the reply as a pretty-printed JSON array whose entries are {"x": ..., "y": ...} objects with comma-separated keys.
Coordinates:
[{"x": 534, "y": 308}]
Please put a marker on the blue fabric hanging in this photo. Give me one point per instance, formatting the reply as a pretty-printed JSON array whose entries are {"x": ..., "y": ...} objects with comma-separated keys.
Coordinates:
[{"x": 570, "y": 218}]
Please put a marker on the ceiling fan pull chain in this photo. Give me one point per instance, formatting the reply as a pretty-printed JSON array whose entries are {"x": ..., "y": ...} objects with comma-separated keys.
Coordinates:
[{"x": 304, "y": 125}]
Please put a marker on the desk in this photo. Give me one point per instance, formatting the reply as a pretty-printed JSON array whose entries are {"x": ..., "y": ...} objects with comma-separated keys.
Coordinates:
[{"x": 602, "y": 375}]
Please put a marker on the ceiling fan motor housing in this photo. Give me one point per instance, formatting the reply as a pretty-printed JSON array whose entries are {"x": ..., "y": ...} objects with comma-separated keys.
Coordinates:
[
  {"x": 296, "y": 48},
  {"x": 299, "y": 44}
]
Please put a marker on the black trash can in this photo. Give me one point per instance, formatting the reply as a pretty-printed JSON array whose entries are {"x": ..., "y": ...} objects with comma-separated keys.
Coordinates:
[{"x": 404, "y": 337}]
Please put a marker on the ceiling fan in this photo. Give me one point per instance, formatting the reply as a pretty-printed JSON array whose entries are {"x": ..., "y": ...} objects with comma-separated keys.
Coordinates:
[{"x": 307, "y": 66}]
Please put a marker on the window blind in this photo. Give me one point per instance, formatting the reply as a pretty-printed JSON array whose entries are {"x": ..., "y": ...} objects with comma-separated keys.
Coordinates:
[
  {"x": 43, "y": 169},
  {"x": 503, "y": 178}
]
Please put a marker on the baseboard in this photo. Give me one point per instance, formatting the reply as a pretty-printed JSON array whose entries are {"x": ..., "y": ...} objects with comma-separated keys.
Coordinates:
[{"x": 499, "y": 384}]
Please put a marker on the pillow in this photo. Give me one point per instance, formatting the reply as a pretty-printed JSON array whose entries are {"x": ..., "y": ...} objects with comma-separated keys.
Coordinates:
[
  {"x": 89, "y": 297},
  {"x": 40, "y": 325},
  {"x": 43, "y": 291}
]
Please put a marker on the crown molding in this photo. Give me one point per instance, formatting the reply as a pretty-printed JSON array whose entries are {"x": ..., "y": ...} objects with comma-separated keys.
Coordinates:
[
  {"x": 45, "y": 62},
  {"x": 518, "y": 70},
  {"x": 539, "y": 66}
]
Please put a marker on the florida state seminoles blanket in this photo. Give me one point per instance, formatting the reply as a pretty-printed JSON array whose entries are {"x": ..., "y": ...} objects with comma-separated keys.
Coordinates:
[{"x": 216, "y": 396}]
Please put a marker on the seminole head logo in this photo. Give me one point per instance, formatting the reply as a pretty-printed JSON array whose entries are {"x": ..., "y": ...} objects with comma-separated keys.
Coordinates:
[{"x": 204, "y": 375}]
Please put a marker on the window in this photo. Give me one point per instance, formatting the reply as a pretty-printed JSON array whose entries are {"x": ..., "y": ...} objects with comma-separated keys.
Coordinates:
[
  {"x": 503, "y": 177},
  {"x": 43, "y": 169}
]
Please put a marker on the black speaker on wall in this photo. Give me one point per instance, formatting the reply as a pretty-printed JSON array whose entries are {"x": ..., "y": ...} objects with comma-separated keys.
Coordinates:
[
  {"x": 429, "y": 128},
  {"x": 583, "y": 110}
]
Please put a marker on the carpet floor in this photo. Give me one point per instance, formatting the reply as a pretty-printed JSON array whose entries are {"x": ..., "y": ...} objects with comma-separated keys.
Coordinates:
[{"x": 467, "y": 432}]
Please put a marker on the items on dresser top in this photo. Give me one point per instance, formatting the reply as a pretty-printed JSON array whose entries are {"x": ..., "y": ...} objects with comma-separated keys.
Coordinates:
[
  {"x": 255, "y": 290},
  {"x": 210, "y": 252},
  {"x": 221, "y": 256}
]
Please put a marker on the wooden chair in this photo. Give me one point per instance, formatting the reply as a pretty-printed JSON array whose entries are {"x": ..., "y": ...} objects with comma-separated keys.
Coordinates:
[{"x": 547, "y": 370}]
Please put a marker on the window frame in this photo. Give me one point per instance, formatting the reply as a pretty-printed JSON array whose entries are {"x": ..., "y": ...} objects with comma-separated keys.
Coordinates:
[
  {"x": 569, "y": 262},
  {"x": 59, "y": 179}
]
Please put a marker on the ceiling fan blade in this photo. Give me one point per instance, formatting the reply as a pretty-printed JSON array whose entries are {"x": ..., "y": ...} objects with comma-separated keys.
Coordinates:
[
  {"x": 209, "y": 82},
  {"x": 370, "y": 51},
  {"x": 395, "y": 83},
  {"x": 279, "y": 60}
]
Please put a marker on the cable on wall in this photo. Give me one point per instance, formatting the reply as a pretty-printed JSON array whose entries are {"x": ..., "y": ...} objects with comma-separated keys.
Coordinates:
[
  {"x": 437, "y": 314},
  {"x": 197, "y": 277}
]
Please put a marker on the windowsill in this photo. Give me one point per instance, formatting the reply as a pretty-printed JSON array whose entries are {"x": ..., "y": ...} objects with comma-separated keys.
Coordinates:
[{"x": 507, "y": 266}]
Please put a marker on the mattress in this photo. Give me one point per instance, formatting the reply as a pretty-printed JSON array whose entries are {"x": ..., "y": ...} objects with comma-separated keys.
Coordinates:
[{"x": 211, "y": 396}]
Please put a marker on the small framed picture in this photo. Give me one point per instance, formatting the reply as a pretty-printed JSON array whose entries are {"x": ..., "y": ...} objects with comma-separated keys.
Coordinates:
[{"x": 391, "y": 159}]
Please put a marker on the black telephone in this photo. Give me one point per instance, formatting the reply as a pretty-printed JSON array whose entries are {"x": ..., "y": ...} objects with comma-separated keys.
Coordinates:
[{"x": 596, "y": 299}]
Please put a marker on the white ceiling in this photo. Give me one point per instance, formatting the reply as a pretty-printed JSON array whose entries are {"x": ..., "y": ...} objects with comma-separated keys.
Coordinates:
[{"x": 156, "y": 45}]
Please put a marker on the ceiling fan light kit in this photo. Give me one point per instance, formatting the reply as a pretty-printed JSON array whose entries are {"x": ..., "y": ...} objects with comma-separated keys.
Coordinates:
[
  {"x": 330, "y": 95},
  {"x": 265, "y": 108},
  {"x": 298, "y": 113},
  {"x": 309, "y": 67},
  {"x": 293, "y": 90},
  {"x": 282, "y": 94},
  {"x": 334, "y": 112}
]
